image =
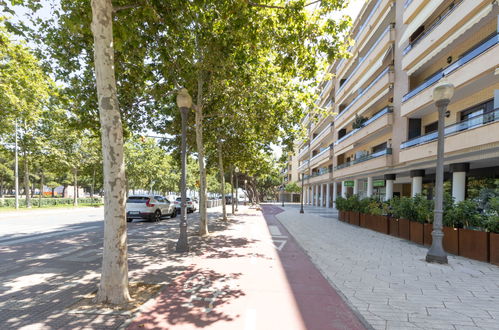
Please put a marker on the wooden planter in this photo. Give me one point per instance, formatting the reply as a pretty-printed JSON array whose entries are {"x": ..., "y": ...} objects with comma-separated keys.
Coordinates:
[
  {"x": 341, "y": 215},
  {"x": 416, "y": 232},
  {"x": 380, "y": 223},
  {"x": 451, "y": 240},
  {"x": 474, "y": 244},
  {"x": 363, "y": 220},
  {"x": 393, "y": 226},
  {"x": 427, "y": 229},
  {"x": 494, "y": 248},
  {"x": 354, "y": 218},
  {"x": 404, "y": 229}
]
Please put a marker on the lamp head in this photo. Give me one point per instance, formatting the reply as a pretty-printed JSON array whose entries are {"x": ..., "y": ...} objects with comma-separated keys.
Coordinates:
[
  {"x": 236, "y": 169},
  {"x": 444, "y": 90},
  {"x": 184, "y": 100}
]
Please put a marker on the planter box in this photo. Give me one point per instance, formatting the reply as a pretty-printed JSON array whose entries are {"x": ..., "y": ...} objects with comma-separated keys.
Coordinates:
[
  {"x": 494, "y": 248},
  {"x": 416, "y": 232},
  {"x": 474, "y": 244},
  {"x": 354, "y": 218},
  {"x": 380, "y": 223},
  {"x": 427, "y": 229},
  {"x": 341, "y": 215},
  {"x": 404, "y": 229},
  {"x": 393, "y": 226},
  {"x": 363, "y": 220},
  {"x": 451, "y": 240}
]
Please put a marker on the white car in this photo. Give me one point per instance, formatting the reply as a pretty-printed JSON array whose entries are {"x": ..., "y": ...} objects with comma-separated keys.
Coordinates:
[
  {"x": 191, "y": 205},
  {"x": 147, "y": 207}
]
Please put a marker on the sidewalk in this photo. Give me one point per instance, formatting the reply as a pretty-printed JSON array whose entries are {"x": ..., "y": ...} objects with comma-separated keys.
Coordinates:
[
  {"x": 247, "y": 276},
  {"x": 388, "y": 280}
]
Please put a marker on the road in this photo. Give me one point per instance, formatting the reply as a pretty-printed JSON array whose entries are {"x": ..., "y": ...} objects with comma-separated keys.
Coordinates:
[{"x": 50, "y": 259}]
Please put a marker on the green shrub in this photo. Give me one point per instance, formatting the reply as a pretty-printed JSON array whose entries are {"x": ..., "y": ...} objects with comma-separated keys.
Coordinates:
[
  {"x": 353, "y": 203},
  {"x": 464, "y": 214},
  {"x": 341, "y": 204},
  {"x": 492, "y": 224},
  {"x": 423, "y": 209},
  {"x": 35, "y": 202}
]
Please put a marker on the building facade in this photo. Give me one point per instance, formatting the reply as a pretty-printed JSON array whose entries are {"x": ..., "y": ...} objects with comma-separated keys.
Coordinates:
[{"x": 377, "y": 137}]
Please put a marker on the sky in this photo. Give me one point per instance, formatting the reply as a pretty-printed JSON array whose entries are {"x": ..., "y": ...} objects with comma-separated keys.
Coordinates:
[{"x": 352, "y": 10}]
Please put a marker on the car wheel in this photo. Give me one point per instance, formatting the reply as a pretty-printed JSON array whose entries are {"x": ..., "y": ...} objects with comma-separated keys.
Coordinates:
[
  {"x": 156, "y": 216},
  {"x": 129, "y": 219},
  {"x": 174, "y": 213}
]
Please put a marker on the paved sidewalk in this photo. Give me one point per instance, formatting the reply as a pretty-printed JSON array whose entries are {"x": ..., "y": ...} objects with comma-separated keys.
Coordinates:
[
  {"x": 388, "y": 280},
  {"x": 246, "y": 277}
]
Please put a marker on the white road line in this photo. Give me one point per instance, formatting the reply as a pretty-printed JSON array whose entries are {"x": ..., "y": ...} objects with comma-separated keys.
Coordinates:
[
  {"x": 250, "y": 320},
  {"x": 274, "y": 230},
  {"x": 38, "y": 237}
]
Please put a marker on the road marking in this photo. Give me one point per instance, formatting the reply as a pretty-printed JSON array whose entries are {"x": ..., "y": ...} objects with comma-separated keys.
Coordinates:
[
  {"x": 279, "y": 243},
  {"x": 38, "y": 237},
  {"x": 250, "y": 321},
  {"x": 274, "y": 230}
]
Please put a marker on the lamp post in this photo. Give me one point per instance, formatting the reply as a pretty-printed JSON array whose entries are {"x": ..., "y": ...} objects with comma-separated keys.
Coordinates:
[
  {"x": 184, "y": 102},
  {"x": 282, "y": 192},
  {"x": 442, "y": 94},
  {"x": 301, "y": 199},
  {"x": 16, "y": 171},
  {"x": 236, "y": 170}
]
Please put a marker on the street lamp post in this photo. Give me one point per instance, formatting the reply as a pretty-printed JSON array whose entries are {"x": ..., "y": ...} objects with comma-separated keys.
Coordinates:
[
  {"x": 442, "y": 94},
  {"x": 301, "y": 199},
  {"x": 236, "y": 170},
  {"x": 282, "y": 192},
  {"x": 16, "y": 170},
  {"x": 184, "y": 102}
]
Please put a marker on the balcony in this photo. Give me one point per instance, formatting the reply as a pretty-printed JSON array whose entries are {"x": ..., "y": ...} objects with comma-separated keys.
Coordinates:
[
  {"x": 320, "y": 157},
  {"x": 303, "y": 165},
  {"x": 480, "y": 59},
  {"x": 369, "y": 62},
  {"x": 380, "y": 159},
  {"x": 469, "y": 134},
  {"x": 322, "y": 174},
  {"x": 379, "y": 121},
  {"x": 303, "y": 151},
  {"x": 438, "y": 32},
  {"x": 324, "y": 132},
  {"x": 368, "y": 94}
]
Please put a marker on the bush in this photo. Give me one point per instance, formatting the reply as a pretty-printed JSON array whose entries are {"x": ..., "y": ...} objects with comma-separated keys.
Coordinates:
[
  {"x": 353, "y": 203},
  {"x": 11, "y": 202},
  {"x": 492, "y": 224},
  {"x": 423, "y": 209},
  {"x": 341, "y": 204},
  {"x": 464, "y": 214}
]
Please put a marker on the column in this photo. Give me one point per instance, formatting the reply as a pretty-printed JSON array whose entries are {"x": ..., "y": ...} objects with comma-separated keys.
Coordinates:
[
  {"x": 318, "y": 196},
  {"x": 343, "y": 190},
  {"x": 389, "y": 186},
  {"x": 328, "y": 188},
  {"x": 312, "y": 195},
  {"x": 335, "y": 193},
  {"x": 417, "y": 182},
  {"x": 369, "y": 187},
  {"x": 323, "y": 196},
  {"x": 356, "y": 186},
  {"x": 459, "y": 180}
]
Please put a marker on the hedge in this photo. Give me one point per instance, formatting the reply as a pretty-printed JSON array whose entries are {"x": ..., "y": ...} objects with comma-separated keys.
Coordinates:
[{"x": 11, "y": 202}]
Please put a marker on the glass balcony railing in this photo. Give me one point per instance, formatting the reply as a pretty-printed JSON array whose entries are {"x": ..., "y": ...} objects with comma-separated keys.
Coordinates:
[
  {"x": 407, "y": 3},
  {"x": 321, "y": 153},
  {"x": 381, "y": 75},
  {"x": 468, "y": 56},
  {"x": 327, "y": 128},
  {"x": 387, "y": 151},
  {"x": 366, "y": 21},
  {"x": 320, "y": 172},
  {"x": 432, "y": 26},
  {"x": 471, "y": 123},
  {"x": 303, "y": 150},
  {"x": 305, "y": 163},
  {"x": 379, "y": 114}
]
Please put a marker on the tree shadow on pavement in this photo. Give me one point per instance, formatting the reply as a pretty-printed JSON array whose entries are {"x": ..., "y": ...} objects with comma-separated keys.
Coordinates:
[{"x": 194, "y": 297}]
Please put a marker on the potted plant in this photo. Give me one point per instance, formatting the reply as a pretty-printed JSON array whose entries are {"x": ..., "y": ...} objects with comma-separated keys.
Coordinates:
[
  {"x": 354, "y": 207},
  {"x": 341, "y": 207},
  {"x": 419, "y": 215},
  {"x": 492, "y": 225},
  {"x": 402, "y": 208},
  {"x": 358, "y": 122},
  {"x": 473, "y": 241}
]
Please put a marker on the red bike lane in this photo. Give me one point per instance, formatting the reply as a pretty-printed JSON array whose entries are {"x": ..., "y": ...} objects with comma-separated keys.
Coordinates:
[{"x": 321, "y": 307}]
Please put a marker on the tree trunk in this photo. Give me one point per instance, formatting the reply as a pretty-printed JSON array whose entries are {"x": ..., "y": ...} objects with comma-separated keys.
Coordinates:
[
  {"x": 75, "y": 183},
  {"x": 203, "y": 218},
  {"x": 41, "y": 191},
  {"x": 53, "y": 192},
  {"x": 222, "y": 180},
  {"x": 232, "y": 189},
  {"x": 92, "y": 188},
  {"x": 64, "y": 191},
  {"x": 113, "y": 286},
  {"x": 26, "y": 181}
]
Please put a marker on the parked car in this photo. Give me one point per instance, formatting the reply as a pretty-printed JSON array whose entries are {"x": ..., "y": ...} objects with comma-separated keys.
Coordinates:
[
  {"x": 151, "y": 208},
  {"x": 191, "y": 205}
]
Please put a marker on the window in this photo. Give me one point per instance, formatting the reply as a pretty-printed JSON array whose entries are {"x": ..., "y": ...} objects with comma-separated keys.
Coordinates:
[
  {"x": 379, "y": 147},
  {"x": 433, "y": 127},
  {"x": 477, "y": 110}
]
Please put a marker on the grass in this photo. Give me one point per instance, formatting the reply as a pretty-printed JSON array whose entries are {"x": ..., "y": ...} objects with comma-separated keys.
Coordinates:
[{"x": 7, "y": 209}]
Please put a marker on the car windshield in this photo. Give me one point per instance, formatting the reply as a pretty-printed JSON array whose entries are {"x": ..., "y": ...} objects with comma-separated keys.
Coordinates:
[{"x": 137, "y": 199}]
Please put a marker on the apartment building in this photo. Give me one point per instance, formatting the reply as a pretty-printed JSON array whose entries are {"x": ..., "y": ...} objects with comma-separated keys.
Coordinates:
[
  {"x": 378, "y": 135},
  {"x": 290, "y": 174}
]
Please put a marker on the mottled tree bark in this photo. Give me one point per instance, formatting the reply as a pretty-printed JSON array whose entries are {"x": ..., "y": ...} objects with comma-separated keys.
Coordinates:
[
  {"x": 113, "y": 286},
  {"x": 203, "y": 218},
  {"x": 222, "y": 180}
]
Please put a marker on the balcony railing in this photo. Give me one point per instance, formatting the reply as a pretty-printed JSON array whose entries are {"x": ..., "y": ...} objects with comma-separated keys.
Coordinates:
[
  {"x": 361, "y": 60},
  {"x": 319, "y": 173},
  {"x": 468, "y": 56},
  {"x": 436, "y": 23},
  {"x": 379, "y": 114},
  {"x": 300, "y": 153},
  {"x": 385, "y": 71},
  {"x": 407, "y": 3},
  {"x": 471, "y": 123},
  {"x": 387, "y": 151},
  {"x": 303, "y": 164},
  {"x": 321, "y": 153},
  {"x": 328, "y": 127},
  {"x": 366, "y": 21}
]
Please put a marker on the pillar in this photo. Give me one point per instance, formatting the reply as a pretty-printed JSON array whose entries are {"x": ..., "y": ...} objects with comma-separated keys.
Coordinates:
[
  {"x": 343, "y": 190},
  {"x": 417, "y": 182},
  {"x": 318, "y": 197},
  {"x": 369, "y": 187},
  {"x": 313, "y": 195},
  {"x": 459, "y": 180},
  {"x": 335, "y": 193},
  {"x": 356, "y": 186},
  {"x": 389, "y": 186},
  {"x": 328, "y": 188}
]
